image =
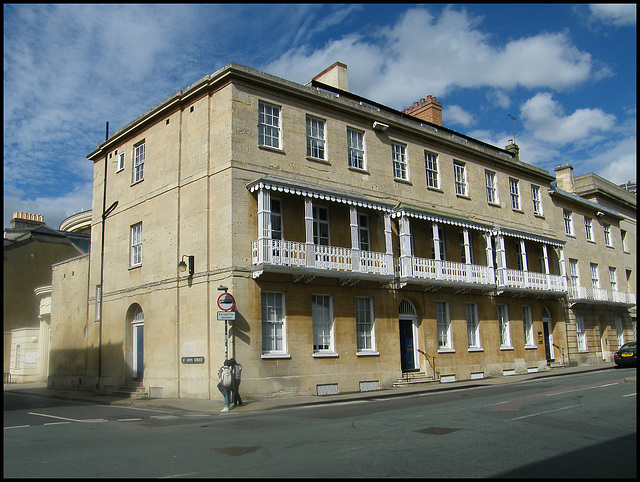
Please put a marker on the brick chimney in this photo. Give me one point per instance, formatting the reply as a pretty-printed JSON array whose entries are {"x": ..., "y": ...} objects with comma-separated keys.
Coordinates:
[
  {"x": 26, "y": 220},
  {"x": 429, "y": 110}
]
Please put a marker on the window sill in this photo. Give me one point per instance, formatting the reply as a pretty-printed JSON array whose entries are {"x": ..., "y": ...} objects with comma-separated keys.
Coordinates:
[
  {"x": 367, "y": 353},
  {"x": 494, "y": 204},
  {"x": 275, "y": 356},
  {"x": 530, "y": 347},
  {"x": 539, "y": 215},
  {"x": 403, "y": 181},
  {"x": 463, "y": 196},
  {"x": 506, "y": 348},
  {"x": 136, "y": 182},
  {"x": 318, "y": 160},
  {"x": 358, "y": 169},
  {"x": 272, "y": 149},
  {"x": 446, "y": 350},
  {"x": 135, "y": 267},
  {"x": 475, "y": 348},
  {"x": 591, "y": 241},
  {"x": 435, "y": 189},
  {"x": 517, "y": 210},
  {"x": 325, "y": 354}
]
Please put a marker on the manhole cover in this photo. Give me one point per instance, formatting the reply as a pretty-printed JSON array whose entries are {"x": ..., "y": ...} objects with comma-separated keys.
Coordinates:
[
  {"x": 437, "y": 430},
  {"x": 235, "y": 451}
]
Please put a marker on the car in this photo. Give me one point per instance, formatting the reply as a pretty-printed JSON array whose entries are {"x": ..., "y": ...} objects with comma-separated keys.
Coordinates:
[{"x": 626, "y": 355}]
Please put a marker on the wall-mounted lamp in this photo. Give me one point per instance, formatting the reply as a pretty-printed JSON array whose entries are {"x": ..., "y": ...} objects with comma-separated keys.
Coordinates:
[
  {"x": 379, "y": 126},
  {"x": 182, "y": 266},
  {"x": 599, "y": 214}
]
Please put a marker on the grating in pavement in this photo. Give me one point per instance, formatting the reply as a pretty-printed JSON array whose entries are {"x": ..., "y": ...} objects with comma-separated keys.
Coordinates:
[{"x": 437, "y": 430}]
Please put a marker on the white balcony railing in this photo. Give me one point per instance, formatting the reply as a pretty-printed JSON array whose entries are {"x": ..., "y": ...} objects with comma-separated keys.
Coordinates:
[
  {"x": 586, "y": 293},
  {"x": 447, "y": 271},
  {"x": 293, "y": 254},
  {"x": 513, "y": 278}
]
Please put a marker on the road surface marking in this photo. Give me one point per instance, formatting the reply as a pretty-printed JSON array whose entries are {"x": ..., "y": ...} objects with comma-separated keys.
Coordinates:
[
  {"x": 542, "y": 413},
  {"x": 89, "y": 420},
  {"x": 584, "y": 388}
]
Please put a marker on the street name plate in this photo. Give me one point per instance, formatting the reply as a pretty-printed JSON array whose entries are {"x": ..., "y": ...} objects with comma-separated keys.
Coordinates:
[
  {"x": 227, "y": 315},
  {"x": 192, "y": 359}
]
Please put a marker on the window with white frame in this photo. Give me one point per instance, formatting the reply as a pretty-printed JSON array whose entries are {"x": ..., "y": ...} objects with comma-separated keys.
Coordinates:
[
  {"x": 444, "y": 325},
  {"x": 613, "y": 278},
  {"x": 120, "y": 165},
  {"x": 527, "y": 325},
  {"x": 492, "y": 189},
  {"x": 607, "y": 234},
  {"x": 399, "y": 155},
  {"x": 273, "y": 324},
  {"x": 473, "y": 327},
  {"x": 315, "y": 138},
  {"x": 568, "y": 223},
  {"x": 363, "y": 232},
  {"x": 136, "y": 245},
  {"x": 573, "y": 272},
  {"x": 503, "y": 318},
  {"x": 536, "y": 199},
  {"x": 460, "y": 178},
  {"x": 520, "y": 256},
  {"x": 463, "y": 249},
  {"x": 514, "y": 191},
  {"x": 322, "y": 319},
  {"x": 623, "y": 238},
  {"x": 619, "y": 332},
  {"x": 355, "y": 145},
  {"x": 431, "y": 166},
  {"x": 441, "y": 244},
  {"x": 268, "y": 125},
  {"x": 588, "y": 227},
  {"x": 276, "y": 219},
  {"x": 138, "y": 162},
  {"x": 595, "y": 281},
  {"x": 321, "y": 226},
  {"x": 580, "y": 334},
  {"x": 365, "y": 334}
]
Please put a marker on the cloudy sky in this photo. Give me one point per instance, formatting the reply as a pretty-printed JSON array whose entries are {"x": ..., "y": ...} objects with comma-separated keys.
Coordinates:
[{"x": 567, "y": 73}]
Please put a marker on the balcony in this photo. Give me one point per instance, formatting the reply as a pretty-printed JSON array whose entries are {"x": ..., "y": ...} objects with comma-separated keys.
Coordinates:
[
  {"x": 585, "y": 294},
  {"x": 436, "y": 273},
  {"x": 529, "y": 281},
  {"x": 304, "y": 259}
]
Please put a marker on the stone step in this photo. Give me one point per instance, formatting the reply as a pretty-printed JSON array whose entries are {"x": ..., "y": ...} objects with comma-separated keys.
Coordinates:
[
  {"x": 413, "y": 378},
  {"x": 132, "y": 390}
]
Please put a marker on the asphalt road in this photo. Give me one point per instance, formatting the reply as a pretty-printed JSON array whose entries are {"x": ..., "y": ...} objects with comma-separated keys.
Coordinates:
[{"x": 581, "y": 425}]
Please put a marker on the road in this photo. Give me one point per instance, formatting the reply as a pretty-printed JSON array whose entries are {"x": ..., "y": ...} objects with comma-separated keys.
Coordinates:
[{"x": 581, "y": 425}]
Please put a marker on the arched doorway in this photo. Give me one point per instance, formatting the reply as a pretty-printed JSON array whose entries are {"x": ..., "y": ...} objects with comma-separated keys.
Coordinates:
[
  {"x": 408, "y": 324},
  {"x": 137, "y": 339},
  {"x": 547, "y": 326}
]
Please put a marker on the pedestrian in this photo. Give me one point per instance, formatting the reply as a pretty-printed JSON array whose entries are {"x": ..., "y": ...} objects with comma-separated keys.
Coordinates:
[
  {"x": 236, "y": 371},
  {"x": 225, "y": 385}
]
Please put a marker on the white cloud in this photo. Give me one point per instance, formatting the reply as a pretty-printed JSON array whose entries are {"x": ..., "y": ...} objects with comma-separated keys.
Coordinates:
[
  {"x": 615, "y": 162},
  {"x": 616, "y": 14},
  {"x": 545, "y": 118},
  {"x": 455, "y": 114},
  {"x": 433, "y": 55}
]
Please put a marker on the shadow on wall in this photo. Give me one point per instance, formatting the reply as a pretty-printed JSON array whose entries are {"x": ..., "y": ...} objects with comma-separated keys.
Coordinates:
[{"x": 77, "y": 369}]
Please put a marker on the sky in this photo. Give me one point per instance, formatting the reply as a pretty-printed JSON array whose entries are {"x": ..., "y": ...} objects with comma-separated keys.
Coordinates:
[{"x": 561, "y": 79}]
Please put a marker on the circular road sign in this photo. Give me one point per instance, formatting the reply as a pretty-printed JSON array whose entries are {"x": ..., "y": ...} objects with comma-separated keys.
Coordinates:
[{"x": 226, "y": 302}]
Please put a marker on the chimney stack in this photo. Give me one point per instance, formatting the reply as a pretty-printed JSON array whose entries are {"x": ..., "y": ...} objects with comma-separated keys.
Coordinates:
[
  {"x": 26, "y": 220},
  {"x": 564, "y": 178},
  {"x": 335, "y": 76},
  {"x": 429, "y": 110},
  {"x": 513, "y": 149}
]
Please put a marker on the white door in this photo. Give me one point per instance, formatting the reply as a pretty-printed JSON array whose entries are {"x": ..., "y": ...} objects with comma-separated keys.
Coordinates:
[{"x": 138, "y": 344}]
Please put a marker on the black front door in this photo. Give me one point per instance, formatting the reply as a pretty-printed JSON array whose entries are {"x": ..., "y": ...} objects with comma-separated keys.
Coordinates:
[{"x": 406, "y": 345}]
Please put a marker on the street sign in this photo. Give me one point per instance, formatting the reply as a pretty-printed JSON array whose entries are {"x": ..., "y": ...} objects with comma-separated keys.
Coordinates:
[
  {"x": 226, "y": 302},
  {"x": 190, "y": 360},
  {"x": 227, "y": 315}
]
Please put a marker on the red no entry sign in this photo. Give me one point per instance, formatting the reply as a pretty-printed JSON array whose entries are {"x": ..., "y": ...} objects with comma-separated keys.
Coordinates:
[{"x": 226, "y": 302}]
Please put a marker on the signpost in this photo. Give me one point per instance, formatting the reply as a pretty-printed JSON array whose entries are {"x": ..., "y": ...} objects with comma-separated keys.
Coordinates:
[{"x": 226, "y": 303}]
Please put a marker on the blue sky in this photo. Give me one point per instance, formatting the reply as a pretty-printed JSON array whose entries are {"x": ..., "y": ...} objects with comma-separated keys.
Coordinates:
[{"x": 566, "y": 72}]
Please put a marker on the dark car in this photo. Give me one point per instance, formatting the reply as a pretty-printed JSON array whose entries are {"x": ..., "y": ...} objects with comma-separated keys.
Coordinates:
[{"x": 626, "y": 355}]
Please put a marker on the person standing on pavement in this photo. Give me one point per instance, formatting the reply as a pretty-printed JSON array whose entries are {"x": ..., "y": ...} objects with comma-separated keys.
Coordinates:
[
  {"x": 225, "y": 385},
  {"x": 236, "y": 371}
]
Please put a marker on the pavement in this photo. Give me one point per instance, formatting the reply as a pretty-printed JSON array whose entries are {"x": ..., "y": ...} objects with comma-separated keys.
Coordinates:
[{"x": 274, "y": 403}]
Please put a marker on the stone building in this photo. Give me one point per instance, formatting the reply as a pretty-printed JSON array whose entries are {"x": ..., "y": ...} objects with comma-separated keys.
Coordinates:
[{"x": 363, "y": 246}]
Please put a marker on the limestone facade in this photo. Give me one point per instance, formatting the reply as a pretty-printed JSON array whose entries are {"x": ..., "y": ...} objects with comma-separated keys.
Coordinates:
[{"x": 361, "y": 245}]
